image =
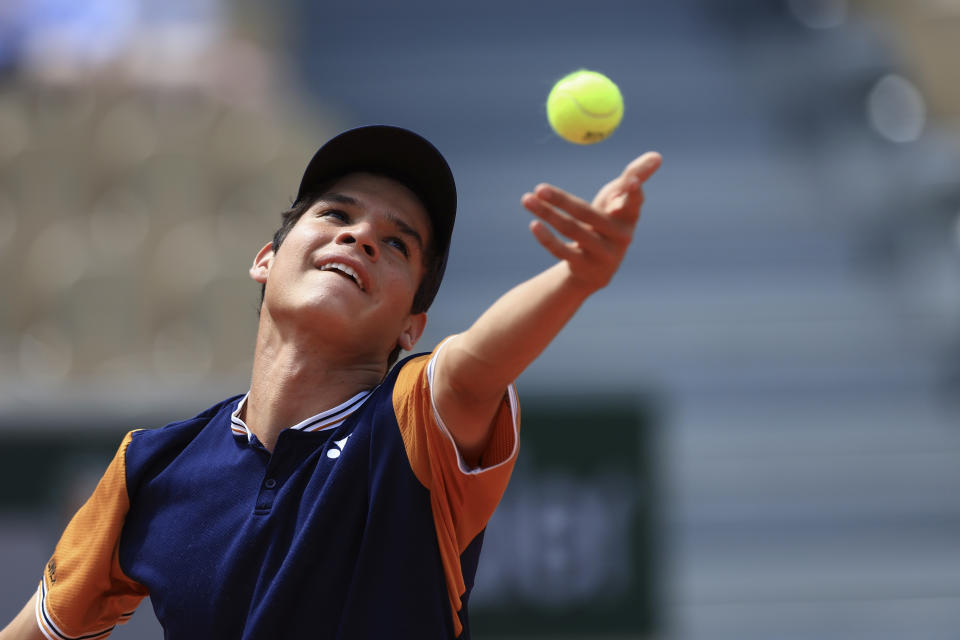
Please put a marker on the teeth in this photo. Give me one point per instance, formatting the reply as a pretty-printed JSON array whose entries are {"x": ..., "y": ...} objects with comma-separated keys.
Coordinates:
[{"x": 339, "y": 266}]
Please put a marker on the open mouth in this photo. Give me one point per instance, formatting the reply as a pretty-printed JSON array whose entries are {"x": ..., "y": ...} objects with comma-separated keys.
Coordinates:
[{"x": 344, "y": 270}]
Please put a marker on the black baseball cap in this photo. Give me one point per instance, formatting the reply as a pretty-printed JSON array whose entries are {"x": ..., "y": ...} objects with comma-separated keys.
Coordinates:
[{"x": 396, "y": 153}]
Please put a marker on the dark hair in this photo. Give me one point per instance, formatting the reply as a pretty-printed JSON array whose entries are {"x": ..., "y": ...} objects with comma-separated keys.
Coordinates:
[{"x": 432, "y": 261}]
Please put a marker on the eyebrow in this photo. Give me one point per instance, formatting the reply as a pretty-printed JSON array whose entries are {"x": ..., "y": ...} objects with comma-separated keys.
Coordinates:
[
  {"x": 402, "y": 226},
  {"x": 340, "y": 198}
]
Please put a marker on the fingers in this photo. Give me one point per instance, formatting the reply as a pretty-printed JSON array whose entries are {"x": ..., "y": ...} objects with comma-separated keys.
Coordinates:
[
  {"x": 624, "y": 199},
  {"x": 586, "y": 236},
  {"x": 623, "y": 196},
  {"x": 575, "y": 207},
  {"x": 598, "y": 233},
  {"x": 644, "y": 166},
  {"x": 560, "y": 250}
]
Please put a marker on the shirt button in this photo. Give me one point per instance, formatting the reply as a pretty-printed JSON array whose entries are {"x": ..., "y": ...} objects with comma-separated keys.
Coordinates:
[{"x": 270, "y": 483}]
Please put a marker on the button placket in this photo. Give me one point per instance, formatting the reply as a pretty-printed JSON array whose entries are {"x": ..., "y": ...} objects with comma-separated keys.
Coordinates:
[{"x": 268, "y": 493}]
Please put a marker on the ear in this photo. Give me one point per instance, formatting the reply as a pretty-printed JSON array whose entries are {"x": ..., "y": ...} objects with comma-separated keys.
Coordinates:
[
  {"x": 412, "y": 331},
  {"x": 262, "y": 263}
]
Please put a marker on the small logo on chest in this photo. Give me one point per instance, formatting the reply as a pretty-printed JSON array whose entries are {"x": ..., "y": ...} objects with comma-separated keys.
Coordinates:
[{"x": 337, "y": 449}]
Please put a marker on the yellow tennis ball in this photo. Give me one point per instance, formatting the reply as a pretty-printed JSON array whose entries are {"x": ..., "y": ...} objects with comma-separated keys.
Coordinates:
[{"x": 584, "y": 107}]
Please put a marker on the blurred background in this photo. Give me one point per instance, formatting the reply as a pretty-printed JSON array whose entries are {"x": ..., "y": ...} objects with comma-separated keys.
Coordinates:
[{"x": 751, "y": 433}]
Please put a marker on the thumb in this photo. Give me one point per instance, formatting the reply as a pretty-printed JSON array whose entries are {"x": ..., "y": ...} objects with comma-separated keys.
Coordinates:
[{"x": 644, "y": 166}]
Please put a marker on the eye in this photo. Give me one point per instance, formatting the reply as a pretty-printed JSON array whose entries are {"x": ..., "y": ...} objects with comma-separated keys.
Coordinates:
[
  {"x": 336, "y": 214},
  {"x": 399, "y": 245}
]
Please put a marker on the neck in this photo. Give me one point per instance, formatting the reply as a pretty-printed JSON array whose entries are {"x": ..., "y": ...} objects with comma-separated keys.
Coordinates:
[{"x": 293, "y": 380}]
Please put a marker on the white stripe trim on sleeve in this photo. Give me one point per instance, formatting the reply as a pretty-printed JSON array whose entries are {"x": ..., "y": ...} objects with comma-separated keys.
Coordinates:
[
  {"x": 511, "y": 396},
  {"x": 45, "y": 622}
]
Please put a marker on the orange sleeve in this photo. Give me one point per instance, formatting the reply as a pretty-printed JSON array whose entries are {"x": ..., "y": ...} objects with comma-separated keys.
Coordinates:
[
  {"x": 462, "y": 499},
  {"x": 84, "y": 592}
]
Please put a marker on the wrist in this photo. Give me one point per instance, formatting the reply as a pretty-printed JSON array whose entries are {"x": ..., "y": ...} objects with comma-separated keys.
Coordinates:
[{"x": 577, "y": 286}]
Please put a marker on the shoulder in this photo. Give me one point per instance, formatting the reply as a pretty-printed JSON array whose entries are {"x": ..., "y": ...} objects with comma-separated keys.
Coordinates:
[
  {"x": 171, "y": 430},
  {"x": 410, "y": 368},
  {"x": 399, "y": 382},
  {"x": 150, "y": 445},
  {"x": 412, "y": 365}
]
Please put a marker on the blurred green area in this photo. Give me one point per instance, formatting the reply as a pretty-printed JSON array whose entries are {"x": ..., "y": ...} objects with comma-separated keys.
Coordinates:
[{"x": 572, "y": 550}]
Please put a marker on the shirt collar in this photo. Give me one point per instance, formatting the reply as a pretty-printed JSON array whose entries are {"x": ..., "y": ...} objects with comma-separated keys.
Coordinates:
[{"x": 329, "y": 419}]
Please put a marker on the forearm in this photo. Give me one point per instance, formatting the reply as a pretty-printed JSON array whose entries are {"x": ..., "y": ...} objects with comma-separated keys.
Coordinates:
[
  {"x": 513, "y": 332},
  {"x": 475, "y": 368},
  {"x": 24, "y": 626}
]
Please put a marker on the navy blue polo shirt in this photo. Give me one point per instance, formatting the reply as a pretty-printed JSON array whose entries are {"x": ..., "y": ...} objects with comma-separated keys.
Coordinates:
[{"x": 364, "y": 522}]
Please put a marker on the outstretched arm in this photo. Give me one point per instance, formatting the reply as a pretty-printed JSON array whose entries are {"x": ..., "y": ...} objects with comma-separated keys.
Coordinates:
[{"x": 474, "y": 369}]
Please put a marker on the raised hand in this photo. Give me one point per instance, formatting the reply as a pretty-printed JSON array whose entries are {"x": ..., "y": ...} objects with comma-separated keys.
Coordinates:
[{"x": 599, "y": 232}]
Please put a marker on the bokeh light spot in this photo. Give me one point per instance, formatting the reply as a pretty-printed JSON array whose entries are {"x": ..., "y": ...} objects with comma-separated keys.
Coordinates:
[{"x": 896, "y": 110}]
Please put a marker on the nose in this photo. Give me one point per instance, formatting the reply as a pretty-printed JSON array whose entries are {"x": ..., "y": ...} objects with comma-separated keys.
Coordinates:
[{"x": 362, "y": 235}]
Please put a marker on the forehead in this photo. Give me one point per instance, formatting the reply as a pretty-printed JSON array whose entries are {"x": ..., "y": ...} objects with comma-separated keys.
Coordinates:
[{"x": 378, "y": 192}]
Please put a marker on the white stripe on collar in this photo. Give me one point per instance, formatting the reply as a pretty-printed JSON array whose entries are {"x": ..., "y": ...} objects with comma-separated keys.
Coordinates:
[{"x": 329, "y": 419}]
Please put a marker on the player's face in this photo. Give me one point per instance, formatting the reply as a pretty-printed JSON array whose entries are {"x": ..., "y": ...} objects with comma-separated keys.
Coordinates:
[{"x": 351, "y": 265}]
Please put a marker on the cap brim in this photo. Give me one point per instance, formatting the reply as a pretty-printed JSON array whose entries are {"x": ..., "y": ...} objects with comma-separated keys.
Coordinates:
[{"x": 399, "y": 154}]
